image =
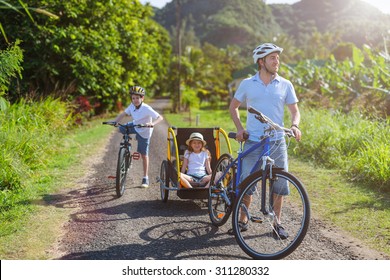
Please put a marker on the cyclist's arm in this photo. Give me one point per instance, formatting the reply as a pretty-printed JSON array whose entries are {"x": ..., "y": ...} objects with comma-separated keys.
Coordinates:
[
  {"x": 156, "y": 121},
  {"x": 295, "y": 120},
  {"x": 235, "y": 115}
]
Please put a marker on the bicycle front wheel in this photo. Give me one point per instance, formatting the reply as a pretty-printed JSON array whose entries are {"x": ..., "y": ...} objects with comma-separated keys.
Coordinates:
[
  {"x": 121, "y": 170},
  {"x": 264, "y": 210},
  {"x": 220, "y": 198}
]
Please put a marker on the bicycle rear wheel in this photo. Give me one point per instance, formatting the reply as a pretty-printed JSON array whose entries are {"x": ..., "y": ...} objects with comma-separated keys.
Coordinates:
[
  {"x": 260, "y": 240},
  {"x": 220, "y": 198},
  {"x": 124, "y": 161}
]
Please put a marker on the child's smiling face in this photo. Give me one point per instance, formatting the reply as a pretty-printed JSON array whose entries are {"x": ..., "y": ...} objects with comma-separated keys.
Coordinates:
[
  {"x": 196, "y": 145},
  {"x": 136, "y": 99}
]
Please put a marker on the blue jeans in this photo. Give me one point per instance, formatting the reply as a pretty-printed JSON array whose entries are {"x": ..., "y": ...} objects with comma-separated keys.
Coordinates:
[
  {"x": 143, "y": 144},
  {"x": 278, "y": 153}
]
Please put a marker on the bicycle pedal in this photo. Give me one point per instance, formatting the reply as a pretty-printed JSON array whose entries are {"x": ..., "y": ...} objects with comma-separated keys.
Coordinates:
[
  {"x": 136, "y": 156},
  {"x": 256, "y": 220}
]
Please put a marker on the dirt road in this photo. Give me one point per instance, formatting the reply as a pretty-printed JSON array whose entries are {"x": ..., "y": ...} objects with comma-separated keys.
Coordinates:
[{"x": 140, "y": 226}]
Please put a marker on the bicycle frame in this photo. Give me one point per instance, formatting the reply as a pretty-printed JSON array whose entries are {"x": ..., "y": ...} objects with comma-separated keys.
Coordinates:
[
  {"x": 264, "y": 157},
  {"x": 126, "y": 136},
  {"x": 241, "y": 155},
  {"x": 126, "y": 139}
]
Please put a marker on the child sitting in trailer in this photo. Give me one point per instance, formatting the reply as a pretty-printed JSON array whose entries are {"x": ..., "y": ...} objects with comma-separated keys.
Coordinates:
[{"x": 196, "y": 168}]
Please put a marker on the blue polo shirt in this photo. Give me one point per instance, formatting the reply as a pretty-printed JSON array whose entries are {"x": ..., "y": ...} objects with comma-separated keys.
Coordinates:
[{"x": 269, "y": 99}]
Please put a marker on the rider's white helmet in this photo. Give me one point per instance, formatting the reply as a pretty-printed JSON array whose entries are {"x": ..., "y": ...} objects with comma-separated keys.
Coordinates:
[{"x": 264, "y": 50}]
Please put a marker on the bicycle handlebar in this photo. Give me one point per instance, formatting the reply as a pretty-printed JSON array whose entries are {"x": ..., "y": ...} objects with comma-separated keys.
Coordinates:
[
  {"x": 264, "y": 119},
  {"x": 124, "y": 125},
  {"x": 233, "y": 135}
]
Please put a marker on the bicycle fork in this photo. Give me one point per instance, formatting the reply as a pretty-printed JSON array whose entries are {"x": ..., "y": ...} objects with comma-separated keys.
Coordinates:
[
  {"x": 224, "y": 191},
  {"x": 267, "y": 164}
]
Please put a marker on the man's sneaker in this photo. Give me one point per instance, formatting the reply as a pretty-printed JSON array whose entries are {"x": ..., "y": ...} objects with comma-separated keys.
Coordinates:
[
  {"x": 243, "y": 227},
  {"x": 145, "y": 183},
  {"x": 280, "y": 232}
]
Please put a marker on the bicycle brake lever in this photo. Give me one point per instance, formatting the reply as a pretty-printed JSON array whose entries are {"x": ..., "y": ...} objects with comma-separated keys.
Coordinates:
[
  {"x": 258, "y": 115},
  {"x": 290, "y": 133},
  {"x": 261, "y": 118}
]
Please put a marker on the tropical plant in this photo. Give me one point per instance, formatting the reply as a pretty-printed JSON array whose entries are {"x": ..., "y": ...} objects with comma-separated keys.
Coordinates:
[
  {"x": 11, "y": 58},
  {"x": 353, "y": 144},
  {"x": 10, "y": 66},
  {"x": 207, "y": 71},
  {"x": 358, "y": 79},
  {"x": 94, "y": 49}
]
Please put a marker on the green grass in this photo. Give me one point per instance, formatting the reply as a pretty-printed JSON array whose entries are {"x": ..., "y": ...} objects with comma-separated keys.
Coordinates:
[
  {"x": 355, "y": 208},
  {"x": 23, "y": 226},
  {"x": 359, "y": 147},
  {"x": 359, "y": 209}
]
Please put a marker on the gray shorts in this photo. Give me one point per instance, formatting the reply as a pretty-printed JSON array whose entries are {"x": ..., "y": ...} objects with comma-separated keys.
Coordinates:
[
  {"x": 143, "y": 144},
  {"x": 278, "y": 153}
]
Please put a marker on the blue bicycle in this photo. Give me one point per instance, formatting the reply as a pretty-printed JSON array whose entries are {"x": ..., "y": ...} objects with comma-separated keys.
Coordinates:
[{"x": 258, "y": 208}]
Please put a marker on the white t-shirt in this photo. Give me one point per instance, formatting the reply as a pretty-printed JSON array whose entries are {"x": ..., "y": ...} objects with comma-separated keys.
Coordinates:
[
  {"x": 196, "y": 162},
  {"x": 145, "y": 114}
]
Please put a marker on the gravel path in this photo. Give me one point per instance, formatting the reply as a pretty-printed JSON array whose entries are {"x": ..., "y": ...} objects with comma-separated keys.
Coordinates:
[{"x": 139, "y": 226}]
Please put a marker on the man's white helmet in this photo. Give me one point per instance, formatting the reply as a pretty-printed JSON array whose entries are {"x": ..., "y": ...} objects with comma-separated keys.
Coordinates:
[{"x": 264, "y": 50}]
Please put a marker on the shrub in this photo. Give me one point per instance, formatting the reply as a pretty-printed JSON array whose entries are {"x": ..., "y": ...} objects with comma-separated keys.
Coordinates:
[
  {"x": 30, "y": 132},
  {"x": 357, "y": 146}
]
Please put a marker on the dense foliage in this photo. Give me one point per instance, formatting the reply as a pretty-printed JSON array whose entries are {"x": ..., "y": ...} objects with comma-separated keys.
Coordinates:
[
  {"x": 204, "y": 74},
  {"x": 222, "y": 22},
  {"x": 246, "y": 23},
  {"x": 360, "y": 81},
  {"x": 356, "y": 146},
  {"x": 10, "y": 67},
  {"x": 29, "y": 134},
  {"x": 94, "y": 48},
  {"x": 353, "y": 21}
]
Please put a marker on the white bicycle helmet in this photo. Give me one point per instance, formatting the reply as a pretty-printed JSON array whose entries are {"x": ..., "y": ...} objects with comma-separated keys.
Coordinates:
[{"x": 264, "y": 50}]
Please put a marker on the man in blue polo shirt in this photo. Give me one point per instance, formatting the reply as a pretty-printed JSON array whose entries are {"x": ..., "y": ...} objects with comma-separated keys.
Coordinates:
[{"x": 268, "y": 93}]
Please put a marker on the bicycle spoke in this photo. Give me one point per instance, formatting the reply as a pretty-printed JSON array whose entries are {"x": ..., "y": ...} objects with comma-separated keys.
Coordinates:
[{"x": 262, "y": 240}]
